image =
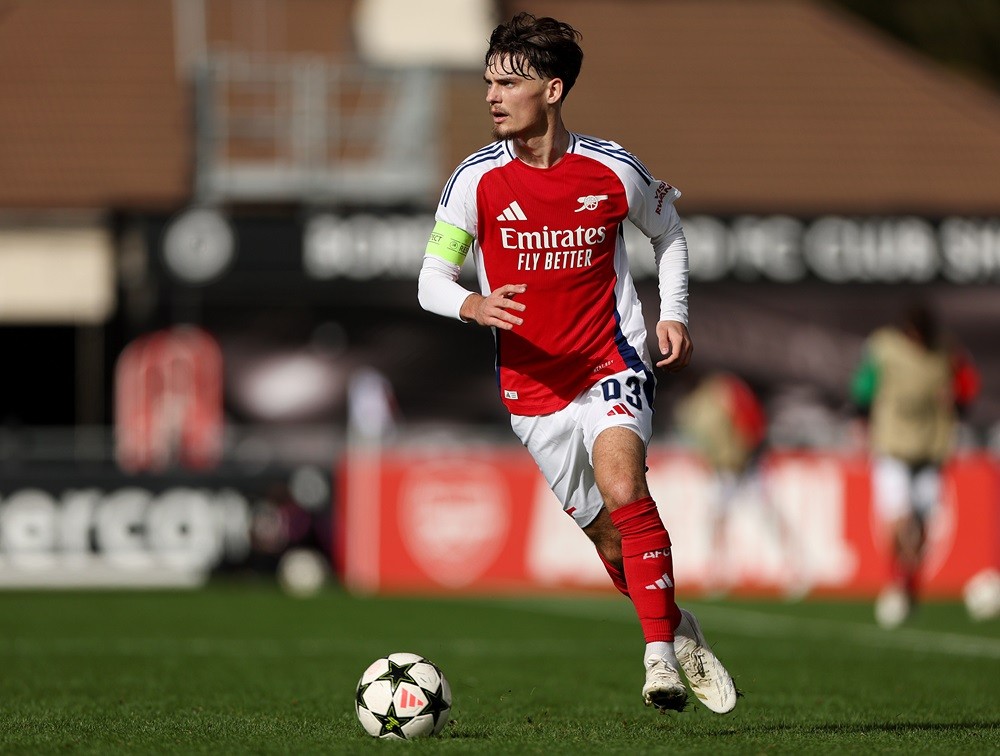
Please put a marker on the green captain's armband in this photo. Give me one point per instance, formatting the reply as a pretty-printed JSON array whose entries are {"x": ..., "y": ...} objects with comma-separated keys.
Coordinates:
[{"x": 449, "y": 242}]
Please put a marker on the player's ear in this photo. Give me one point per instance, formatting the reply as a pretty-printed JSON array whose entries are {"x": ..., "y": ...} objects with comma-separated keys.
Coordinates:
[{"x": 554, "y": 91}]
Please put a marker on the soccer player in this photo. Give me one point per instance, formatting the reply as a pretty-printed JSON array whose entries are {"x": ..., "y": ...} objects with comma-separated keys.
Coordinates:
[
  {"x": 724, "y": 420},
  {"x": 541, "y": 210},
  {"x": 912, "y": 382}
]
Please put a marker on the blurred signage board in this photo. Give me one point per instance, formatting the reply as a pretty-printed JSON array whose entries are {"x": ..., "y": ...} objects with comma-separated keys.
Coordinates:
[
  {"x": 834, "y": 249},
  {"x": 485, "y": 521},
  {"x": 119, "y": 533},
  {"x": 56, "y": 275},
  {"x": 327, "y": 246}
]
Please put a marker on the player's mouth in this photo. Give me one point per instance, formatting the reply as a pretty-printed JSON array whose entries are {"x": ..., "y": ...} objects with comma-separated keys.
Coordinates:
[{"x": 498, "y": 117}]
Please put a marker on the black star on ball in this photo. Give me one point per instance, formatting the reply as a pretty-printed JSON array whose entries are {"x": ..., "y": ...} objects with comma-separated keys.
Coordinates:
[
  {"x": 360, "y": 699},
  {"x": 398, "y": 673},
  {"x": 389, "y": 722},
  {"x": 436, "y": 704}
]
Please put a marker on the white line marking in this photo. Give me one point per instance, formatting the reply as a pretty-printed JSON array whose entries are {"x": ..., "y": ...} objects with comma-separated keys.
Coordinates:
[{"x": 755, "y": 624}]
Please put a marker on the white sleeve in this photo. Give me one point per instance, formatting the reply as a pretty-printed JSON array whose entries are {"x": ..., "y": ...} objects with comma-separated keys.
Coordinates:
[
  {"x": 454, "y": 234},
  {"x": 651, "y": 209},
  {"x": 438, "y": 290},
  {"x": 671, "y": 255}
]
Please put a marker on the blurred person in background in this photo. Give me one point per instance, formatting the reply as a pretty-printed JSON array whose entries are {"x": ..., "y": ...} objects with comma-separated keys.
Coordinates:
[
  {"x": 911, "y": 382},
  {"x": 542, "y": 210},
  {"x": 724, "y": 420}
]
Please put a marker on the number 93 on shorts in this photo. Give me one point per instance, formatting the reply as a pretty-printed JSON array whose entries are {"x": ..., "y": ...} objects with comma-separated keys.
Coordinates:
[{"x": 562, "y": 442}]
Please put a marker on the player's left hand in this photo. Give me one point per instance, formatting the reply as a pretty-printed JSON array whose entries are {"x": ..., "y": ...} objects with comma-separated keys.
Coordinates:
[{"x": 675, "y": 345}]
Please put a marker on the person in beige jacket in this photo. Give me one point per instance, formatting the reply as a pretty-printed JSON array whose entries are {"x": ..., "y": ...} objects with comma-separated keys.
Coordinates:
[
  {"x": 911, "y": 382},
  {"x": 723, "y": 421}
]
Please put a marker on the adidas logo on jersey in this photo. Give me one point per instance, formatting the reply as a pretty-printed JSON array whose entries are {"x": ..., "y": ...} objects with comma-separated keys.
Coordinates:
[{"x": 512, "y": 212}]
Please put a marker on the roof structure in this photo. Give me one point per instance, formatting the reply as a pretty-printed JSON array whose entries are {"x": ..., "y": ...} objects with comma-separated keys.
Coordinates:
[
  {"x": 782, "y": 106},
  {"x": 93, "y": 114},
  {"x": 749, "y": 106}
]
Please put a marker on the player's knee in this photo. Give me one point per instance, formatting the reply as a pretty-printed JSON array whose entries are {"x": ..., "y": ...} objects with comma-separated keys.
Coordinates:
[
  {"x": 620, "y": 467},
  {"x": 623, "y": 491}
]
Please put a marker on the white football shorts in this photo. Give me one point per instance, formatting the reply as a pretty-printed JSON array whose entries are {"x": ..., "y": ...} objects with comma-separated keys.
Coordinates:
[
  {"x": 562, "y": 442},
  {"x": 900, "y": 489}
]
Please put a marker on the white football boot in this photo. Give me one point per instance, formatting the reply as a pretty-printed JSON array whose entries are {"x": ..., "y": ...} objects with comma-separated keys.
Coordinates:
[
  {"x": 663, "y": 688},
  {"x": 709, "y": 680}
]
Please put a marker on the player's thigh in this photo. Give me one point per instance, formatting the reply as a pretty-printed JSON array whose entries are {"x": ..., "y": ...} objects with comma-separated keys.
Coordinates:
[
  {"x": 620, "y": 466},
  {"x": 617, "y": 425},
  {"x": 555, "y": 442}
]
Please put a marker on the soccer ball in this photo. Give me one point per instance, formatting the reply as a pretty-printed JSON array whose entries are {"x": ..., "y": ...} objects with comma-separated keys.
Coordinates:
[
  {"x": 301, "y": 572},
  {"x": 982, "y": 595},
  {"x": 403, "y": 696}
]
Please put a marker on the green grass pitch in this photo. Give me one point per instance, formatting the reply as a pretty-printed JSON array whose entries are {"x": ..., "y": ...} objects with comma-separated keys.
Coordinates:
[{"x": 244, "y": 669}]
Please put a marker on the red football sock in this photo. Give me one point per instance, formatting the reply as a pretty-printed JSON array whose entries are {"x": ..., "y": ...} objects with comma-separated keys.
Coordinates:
[
  {"x": 649, "y": 568},
  {"x": 911, "y": 581},
  {"x": 616, "y": 574},
  {"x": 902, "y": 576}
]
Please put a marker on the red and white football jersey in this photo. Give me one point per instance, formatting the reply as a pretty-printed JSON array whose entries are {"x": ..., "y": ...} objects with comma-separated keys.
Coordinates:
[{"x": 559, "y": 231}]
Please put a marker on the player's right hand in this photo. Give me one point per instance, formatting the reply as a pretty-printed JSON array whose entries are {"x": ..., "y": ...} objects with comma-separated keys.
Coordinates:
[{"x": 498, "y": 310}]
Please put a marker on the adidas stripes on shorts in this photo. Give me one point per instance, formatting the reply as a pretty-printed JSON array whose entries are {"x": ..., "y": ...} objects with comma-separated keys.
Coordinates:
[{"x": 562, "y": 442}]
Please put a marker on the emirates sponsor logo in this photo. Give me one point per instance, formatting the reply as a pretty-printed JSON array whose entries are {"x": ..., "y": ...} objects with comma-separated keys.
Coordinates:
[
  {"x": 453, "y": 519},
  {"x": 553, "y": 238}
]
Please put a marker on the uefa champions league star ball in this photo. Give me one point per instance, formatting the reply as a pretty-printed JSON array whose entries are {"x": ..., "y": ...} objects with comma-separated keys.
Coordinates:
[
  {"x": 403, "y": 696},
  {"x": 982, "y": 595}
]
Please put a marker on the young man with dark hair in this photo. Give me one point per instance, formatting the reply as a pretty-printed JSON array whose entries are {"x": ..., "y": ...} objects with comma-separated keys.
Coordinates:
[{"x": 541, "y": 210}]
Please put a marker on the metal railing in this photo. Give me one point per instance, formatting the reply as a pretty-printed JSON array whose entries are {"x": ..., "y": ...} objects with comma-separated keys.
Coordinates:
[{"x": 307, "y": 129}]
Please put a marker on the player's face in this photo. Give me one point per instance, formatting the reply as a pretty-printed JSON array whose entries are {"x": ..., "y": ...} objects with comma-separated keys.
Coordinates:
[{"x": 518, "y": 105}]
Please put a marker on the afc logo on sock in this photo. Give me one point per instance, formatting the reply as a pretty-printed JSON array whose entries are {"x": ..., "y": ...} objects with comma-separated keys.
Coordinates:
[{"x": 657, "y": 553}]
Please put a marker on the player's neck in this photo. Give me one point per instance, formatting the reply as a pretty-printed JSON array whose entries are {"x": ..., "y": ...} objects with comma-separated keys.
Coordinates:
[{"x": 544, "y": 150}]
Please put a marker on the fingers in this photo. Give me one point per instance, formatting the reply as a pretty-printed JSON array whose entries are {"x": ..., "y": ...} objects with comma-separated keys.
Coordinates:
[
  {"x": 500, "y": 309},
  {"x": 675, "y": 344},
  {"x": 675, "y": 361},
  {"x": 507, "y": 293},
  {"x": 677, "y": 357}
]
